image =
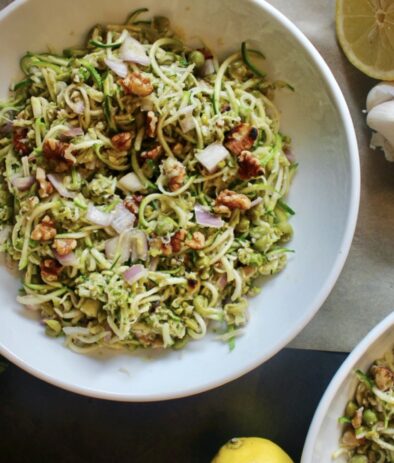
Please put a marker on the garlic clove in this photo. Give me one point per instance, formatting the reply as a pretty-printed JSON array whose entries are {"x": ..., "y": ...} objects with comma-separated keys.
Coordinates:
[
  {"x": 378, "y": 141},
  {"x": 381, "y": 93},
  {"x": 381, "y": 119}
]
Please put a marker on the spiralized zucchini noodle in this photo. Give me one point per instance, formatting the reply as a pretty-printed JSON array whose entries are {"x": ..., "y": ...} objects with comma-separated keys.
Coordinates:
[
  {"x": 143, "y": 186},
  {"x": 368, "y": 434}
]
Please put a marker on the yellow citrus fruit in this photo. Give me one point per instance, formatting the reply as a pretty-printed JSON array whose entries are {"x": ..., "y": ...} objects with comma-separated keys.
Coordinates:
[
  {"x": 251, "y": 450},
  {"x": 365, "y": 30}
]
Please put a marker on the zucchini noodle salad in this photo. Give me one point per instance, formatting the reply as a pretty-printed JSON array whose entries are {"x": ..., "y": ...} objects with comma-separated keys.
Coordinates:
[
  {"x": 368, "y": 434},
  {"x": 143, "y": 187}
]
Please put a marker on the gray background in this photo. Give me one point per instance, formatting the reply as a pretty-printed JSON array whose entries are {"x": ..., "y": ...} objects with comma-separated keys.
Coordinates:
[{"x": 364, "y": 293}]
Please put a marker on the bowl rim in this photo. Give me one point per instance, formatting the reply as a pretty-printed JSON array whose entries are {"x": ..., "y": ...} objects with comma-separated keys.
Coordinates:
[
  {"x": 343, "y": 251},
  {"x": 340, "y": 376}
]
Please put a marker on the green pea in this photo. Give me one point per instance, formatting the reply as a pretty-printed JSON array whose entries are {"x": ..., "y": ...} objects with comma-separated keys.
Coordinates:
[
  {"x": 164, "y": 225},
  {"x": 243, "y": 225},
  {"x": 359, "y": 459},
  {"x": 286, "y": 228},
  {"x": 262, "y": 244},
  {"x": 197, "y": 58},
  {"x": 351, "y": 409},
  {"x": 369, "y": 417}
]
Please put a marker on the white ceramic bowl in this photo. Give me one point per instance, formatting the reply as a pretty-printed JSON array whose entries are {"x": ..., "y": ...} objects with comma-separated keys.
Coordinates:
[
  {"x": 325, "y": 195},
  {"x": 325, "y": 431}
]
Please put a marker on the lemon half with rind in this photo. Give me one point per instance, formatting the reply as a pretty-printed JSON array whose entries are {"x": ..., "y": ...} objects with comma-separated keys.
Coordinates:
[
  {"x": 365, "y": 30},
  {"x": 251, "y": 450}
]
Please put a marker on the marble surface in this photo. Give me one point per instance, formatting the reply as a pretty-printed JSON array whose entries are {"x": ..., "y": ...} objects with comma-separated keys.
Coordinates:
[{"x": 364, "y": 293}]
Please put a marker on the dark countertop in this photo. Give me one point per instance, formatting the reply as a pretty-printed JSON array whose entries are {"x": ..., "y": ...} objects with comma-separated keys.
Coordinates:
[{"x": 41, "y": 423}]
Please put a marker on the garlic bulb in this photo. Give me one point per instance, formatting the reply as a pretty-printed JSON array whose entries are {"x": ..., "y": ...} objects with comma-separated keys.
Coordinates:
[{"x": 380, "y": 107}]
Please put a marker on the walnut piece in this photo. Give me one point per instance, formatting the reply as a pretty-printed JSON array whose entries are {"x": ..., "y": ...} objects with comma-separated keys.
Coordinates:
[
  {"x": 132, "y": 203},
  {"x": 151, "y": 124},
  {"x": 197, "y": 242},
  {"x": 175, "y": 172},
  {"x": 46, "y": 187},
  {"x": 154, "y": 153},
  {"x": 177, "y": 240},
  {"x": 357, "y": 420},
  {"x": 64, "y": 246},
  {"x": 122, "y": 141},
  {"x": 249, "y": 166},
  {"x": 45, "y": 230},
  {"x": 50, "y": 270},
  {"x": 228, "y": 200},
  {"x": 350, "y": 441},
  {"x": 137, "y": 84},
  {"x": 20, "y": 140},
  {"x": 55, "y": 152},
  {"x": 240, "y": 138},
  {"x": 384, "y": 378}
]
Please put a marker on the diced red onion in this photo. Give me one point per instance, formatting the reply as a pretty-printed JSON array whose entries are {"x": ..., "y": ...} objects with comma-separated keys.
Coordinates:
[
  {"x": 111, "y": 246},
  {"x": 290, "y": 155},
  {"x": 6, "y": 128},
  {"x": 118, "y": 66},
  {"x": 57, "y": 183},
  {"x": 23, "y": 183},
  {"x": 73, "y": 132},
  {"x": 135, "y": 273},
  {"x": 133, "y": 51},
  {"x": 256, "y": 201},
  {"x": 212, "y": 155},
  {"x": 130, "y": 182},
  {"x": 69, "y": 260},
  {"x": 123, "y": 219},
  {"x": 208, "y": 68},
  {"x": 222, "y": 281},
  {"x": 186, "y": 120},
  {"x": 138, "y": 245},
  {"x": 4, "y": 234},
  {"x": 75, "y": 330},
  {"x": 206, "y": 219},
  {"x": 97, "y": 217},
  {"x": 153, "y": 264},
  {"x": 77, "y": 106},
  {"x": 32, "y": 307}
]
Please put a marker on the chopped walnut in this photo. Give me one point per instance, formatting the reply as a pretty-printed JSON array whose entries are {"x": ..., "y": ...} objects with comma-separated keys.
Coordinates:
[
  {"x": 175, "y": 172},
  {"x": 177, "y": 240},
  {"x": 55, "y": 151},
  {"x": 149, "y": 339},
  {"x": 137, "y": 84},
  {"x": 358, "y": 418},
  {"x": 64, "y": 246},
  {"x": 350, "y": 441},
  {"x": 228, "y": 200},
  {"x": 122, "y": 141},
  {"x": 240, "y": 138},
  {"x": 50, "y": 270},
  {"x": 177, "y": 149},
  {"x": 132, "y": 203},
  {"x": 20, "y": 140},
  {"x": 45, "y": 230},
  {"x": 154, "y": 153},
  {"x": 384, "y": 378},
  {"x": 151, "y": 122},
  {"x": 249, "y": 166},
  {"x": 197, "y": 242},
  {"x": 46, "y": 187}
]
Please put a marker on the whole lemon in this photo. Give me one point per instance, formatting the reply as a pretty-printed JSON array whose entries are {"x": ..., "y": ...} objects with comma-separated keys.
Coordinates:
[{"x": 251, "y": 450}]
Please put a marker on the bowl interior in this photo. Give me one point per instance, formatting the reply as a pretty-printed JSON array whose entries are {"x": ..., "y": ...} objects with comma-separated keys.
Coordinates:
[
  {"x": 325, "y": 431},
  {"x": 324, "y": 195}
]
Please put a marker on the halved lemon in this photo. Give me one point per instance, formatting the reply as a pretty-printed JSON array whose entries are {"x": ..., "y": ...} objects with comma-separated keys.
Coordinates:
[
  {"x": 365, "y": 30},
  {"x": 251, "y": 450}
]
